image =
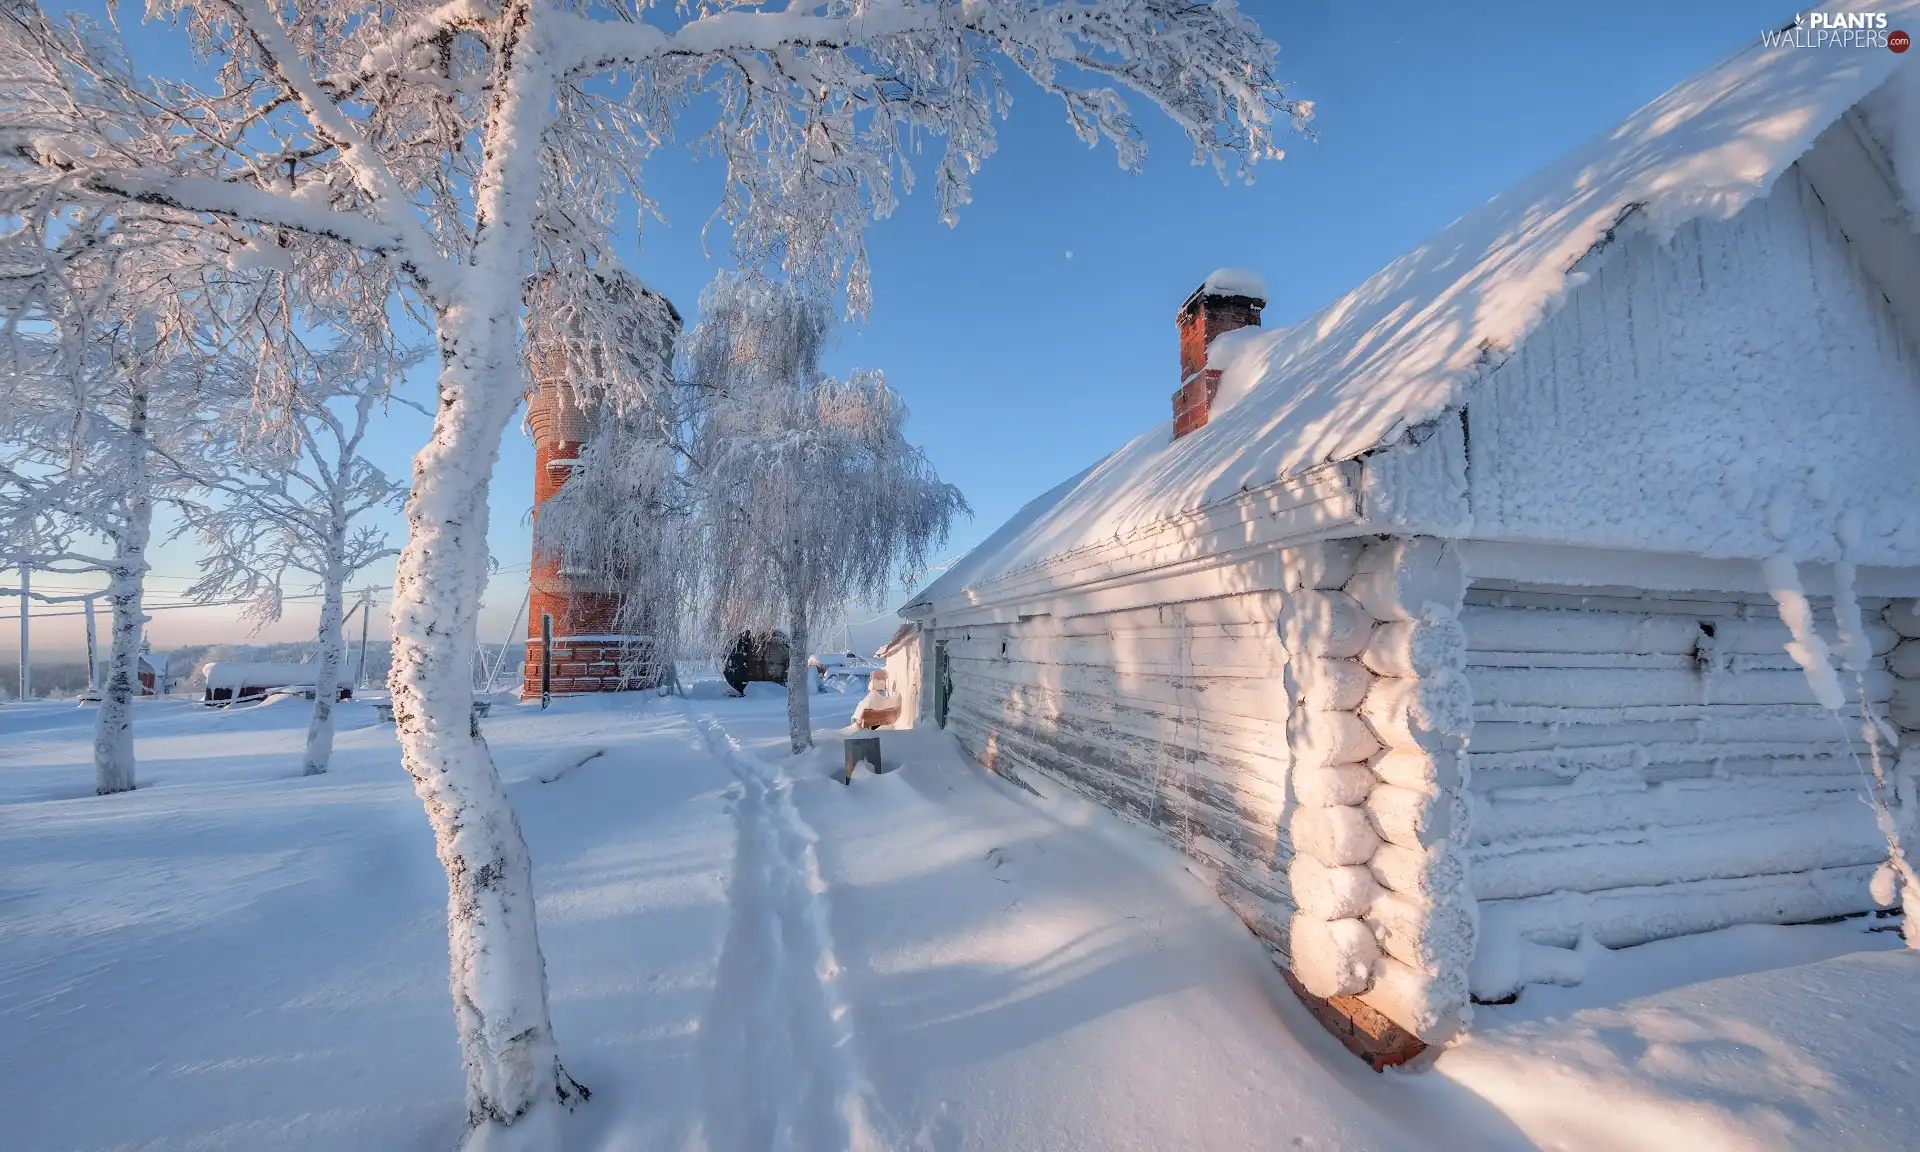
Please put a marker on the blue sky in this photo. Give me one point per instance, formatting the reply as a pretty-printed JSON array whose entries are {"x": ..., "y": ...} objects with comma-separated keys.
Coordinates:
[{"x": 1038, "y": 334}]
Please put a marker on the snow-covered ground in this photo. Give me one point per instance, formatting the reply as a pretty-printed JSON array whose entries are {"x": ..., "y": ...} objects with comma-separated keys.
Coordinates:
[{"x": 746, "y": 954}]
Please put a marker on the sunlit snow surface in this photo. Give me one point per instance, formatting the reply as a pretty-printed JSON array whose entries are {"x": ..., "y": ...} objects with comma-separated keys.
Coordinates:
[{"x": 747, "y": 954}]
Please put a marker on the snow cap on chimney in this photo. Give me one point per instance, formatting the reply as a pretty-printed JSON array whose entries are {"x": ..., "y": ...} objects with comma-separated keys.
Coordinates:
[{"x": 1227, "y": 300}]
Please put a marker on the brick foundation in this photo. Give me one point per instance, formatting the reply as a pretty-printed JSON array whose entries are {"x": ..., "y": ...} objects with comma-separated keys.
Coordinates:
[
  {"x": 598, "y": 665},
  {"x": 1361, "y": 1029}
]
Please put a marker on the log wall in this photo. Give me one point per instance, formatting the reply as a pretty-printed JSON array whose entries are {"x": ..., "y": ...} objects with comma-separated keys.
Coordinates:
[
  {"x": 1645, "y": 765},
  {"x": 1171, "y": 716}
]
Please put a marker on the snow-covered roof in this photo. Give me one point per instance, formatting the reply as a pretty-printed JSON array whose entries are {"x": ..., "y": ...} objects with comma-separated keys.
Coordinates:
[
  {"x": 155, "y": 660},
  {"x": 234, "y": 674},
  {"x": 1403, "y": 346},
  {"x": 901, "y": 635}
]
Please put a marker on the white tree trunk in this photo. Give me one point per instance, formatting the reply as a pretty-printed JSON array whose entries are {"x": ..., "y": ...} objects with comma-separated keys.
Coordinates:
[
  {"x": 799, "y": 675},
  {"x": 514, "y": 1081},
  {"x": 326, "y": 678},
  {"x": 113, "y": 725}
]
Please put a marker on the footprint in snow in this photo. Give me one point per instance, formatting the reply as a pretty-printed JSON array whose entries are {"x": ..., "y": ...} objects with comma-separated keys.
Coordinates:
[{"x": 1002, "y": 865}]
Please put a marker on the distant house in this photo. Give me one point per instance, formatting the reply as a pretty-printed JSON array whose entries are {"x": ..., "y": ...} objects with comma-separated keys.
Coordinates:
[
  {"x": 1444, "y": 627},
  {"x": 900, "y": 656},
  {"x": 153, "y": 674},
  {"x": 229, "y": 682}
]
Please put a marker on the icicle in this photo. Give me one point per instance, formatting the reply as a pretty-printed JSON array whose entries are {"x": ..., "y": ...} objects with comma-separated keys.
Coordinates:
[
  {"x": 1894, "y": 879},
  {"x": 1807, "y": 648}
]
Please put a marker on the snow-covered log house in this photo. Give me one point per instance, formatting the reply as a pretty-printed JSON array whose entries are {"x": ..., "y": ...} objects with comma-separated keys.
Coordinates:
[{"x": 1464, "y": 625}]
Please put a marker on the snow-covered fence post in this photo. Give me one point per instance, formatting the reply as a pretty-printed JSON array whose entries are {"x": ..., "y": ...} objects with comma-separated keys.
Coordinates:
[
  {"x": 1385, "y": 928},
  {"x": 546, "y": 659}
]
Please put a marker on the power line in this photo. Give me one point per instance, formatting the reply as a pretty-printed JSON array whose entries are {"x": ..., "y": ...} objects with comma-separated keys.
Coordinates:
[{"x": 165, "y": 607}]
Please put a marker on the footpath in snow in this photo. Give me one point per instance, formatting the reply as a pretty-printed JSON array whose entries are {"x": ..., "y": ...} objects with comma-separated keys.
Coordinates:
[{"x": 746, "y": 954}]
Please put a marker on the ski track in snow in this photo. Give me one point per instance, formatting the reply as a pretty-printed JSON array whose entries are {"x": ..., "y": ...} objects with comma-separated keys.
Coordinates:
[{"x": 782, "y": 1068}]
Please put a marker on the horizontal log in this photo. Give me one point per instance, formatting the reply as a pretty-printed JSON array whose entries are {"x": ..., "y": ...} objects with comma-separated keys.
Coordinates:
[
  {"x": 1904, "y": 708},
  {"x": 1732, "y": 715},
  {"x": 1600, "y": 688},
  {"x": 1328, "y": 564},
  {"x": 1255, "y": 797},
  {"x": 1432, "y": 713},
  {"x": 1397, "y": 578},
  {"x": 1332, "y": 685},
  {"x": 1824, "y": 834},
  {"x": 1261, "y": 698},
  {"x": 1336, "y": 893},
  {"x": 1424, "y": 647},
  {"x": 1409, "y": 818},
  {"x": 1904, "y": 660},
  {"x": 1421, "y": 934},
  {"x": 1688, "y": 662},
  {"x": 1250, "y": 885},
  {"x": 1838, "y": 767},
  {"x": 1429, "y": 1006},
  {"x": 1807, "y": 728},
  {"x": 1332, "y": 957},
  {"x": 1209, "y": 733},
  {"x": 1327, "y": 624},
  {"x": 1264, "y": 913},
  {"x": 1421, "y": 873},
  {"x": 1622, "y": 917},
  {"x": 1903, "y": 616},
  {"x": 1316, "y": 739},
  {"x": 1139, "y": 756},
  {"x": 1333, "y": 786},
  {"x": 1644, "y": 631},
  {"x": 1183, "y": 804},
  {"x": 1169, "y": 655},
  {"x": 1631, "y": 601},
  {"x": 1620, "y": 799},
  {"x": 1333, "y": 836},
  {"x": 1257, "y": 609},
  {"x": 1420, "y": 770}
]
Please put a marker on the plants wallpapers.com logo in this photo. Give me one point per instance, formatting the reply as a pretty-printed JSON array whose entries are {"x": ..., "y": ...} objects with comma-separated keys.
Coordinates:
[{"x": 1838, "y": 30}]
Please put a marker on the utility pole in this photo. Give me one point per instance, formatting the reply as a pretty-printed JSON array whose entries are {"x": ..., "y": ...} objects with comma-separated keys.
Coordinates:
[
  {"x": 26, "y": 655},
  {"x": 366, "y": 610},
  {"x": 93, "y": 659},
  {"x": 501, "y": 657}
]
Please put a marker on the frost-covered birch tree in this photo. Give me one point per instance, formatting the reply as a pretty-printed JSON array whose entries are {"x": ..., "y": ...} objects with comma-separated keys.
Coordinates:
[
  {"x": 470, "y": 144},
  {"x": 810, "y": 494},
  {"x": 293, "y": 500},
  {"x": 100, "y": 409}
]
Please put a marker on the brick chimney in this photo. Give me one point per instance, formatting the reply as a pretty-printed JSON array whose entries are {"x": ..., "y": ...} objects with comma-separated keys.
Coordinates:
[{"x": 1229, "y": 299}]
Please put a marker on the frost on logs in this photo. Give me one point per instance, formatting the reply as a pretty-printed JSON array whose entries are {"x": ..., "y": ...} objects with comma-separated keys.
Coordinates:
[{"x": 1381, "y": 711}]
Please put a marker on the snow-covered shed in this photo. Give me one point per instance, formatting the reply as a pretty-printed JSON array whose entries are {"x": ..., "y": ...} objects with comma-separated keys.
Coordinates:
[
  {"x": 231, "y": 681},
  {"x": 1457, "y": 624}
]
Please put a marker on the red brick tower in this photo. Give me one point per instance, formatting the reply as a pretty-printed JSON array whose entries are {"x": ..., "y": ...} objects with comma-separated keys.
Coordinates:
[{"x": 589, "y": 653}]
